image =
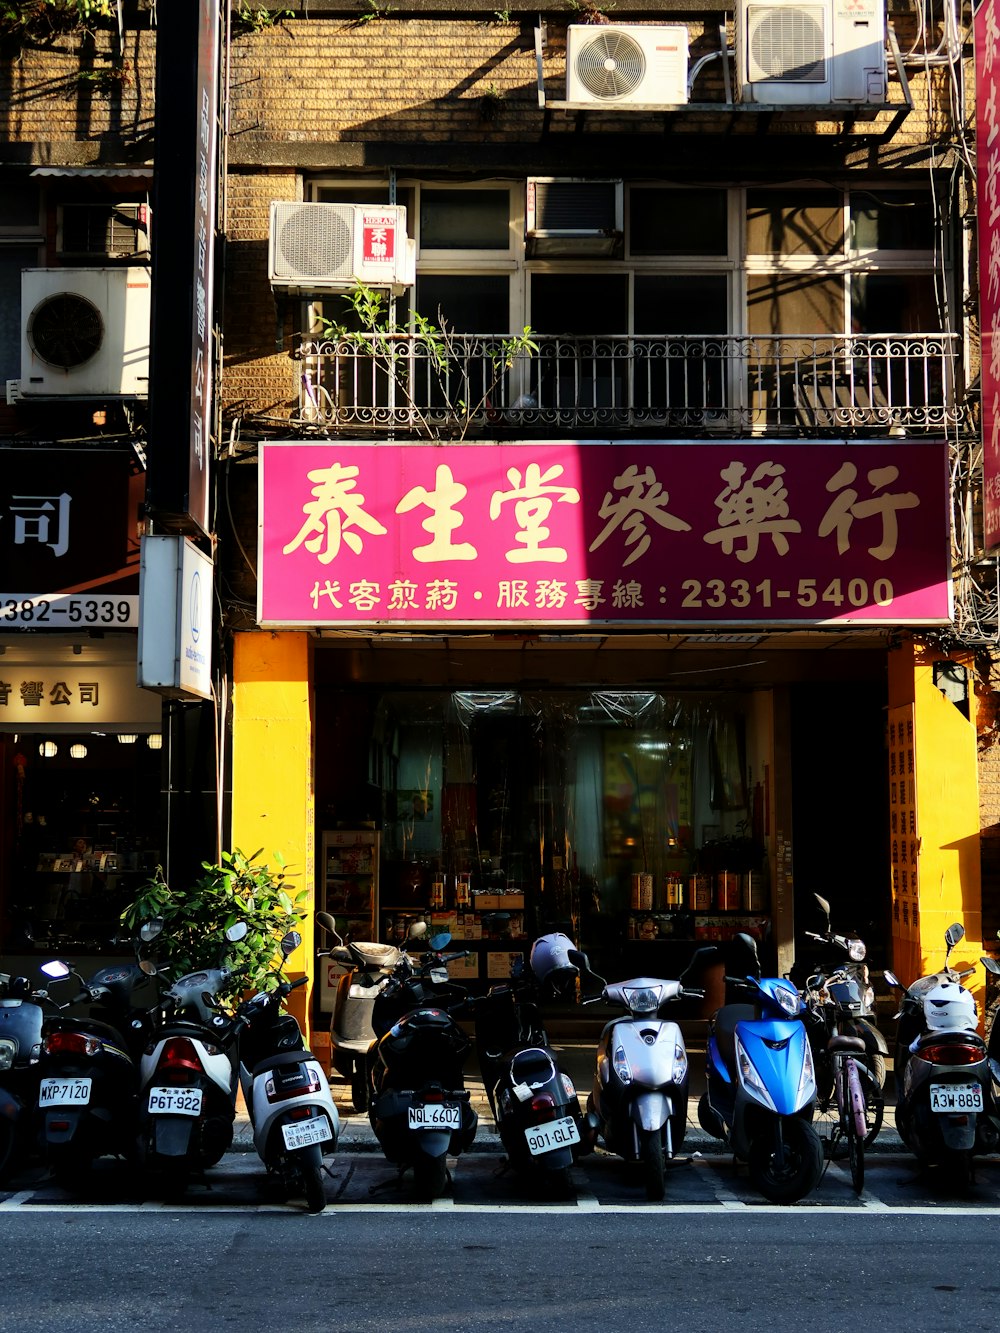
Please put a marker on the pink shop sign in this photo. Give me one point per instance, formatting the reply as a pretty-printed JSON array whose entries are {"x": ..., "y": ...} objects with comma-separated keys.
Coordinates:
[
  {"x": 633, "y": 533},
  {"x": 986, "y": 30}
]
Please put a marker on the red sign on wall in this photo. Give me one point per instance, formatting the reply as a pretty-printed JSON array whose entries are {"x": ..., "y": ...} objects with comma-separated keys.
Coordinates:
[
  {"x": 632, "y": 533},
  {"x": 378, "y": 237}
]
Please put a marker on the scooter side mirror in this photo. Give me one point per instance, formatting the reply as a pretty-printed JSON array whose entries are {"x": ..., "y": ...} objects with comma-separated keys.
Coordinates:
[
  {"x": 824, "y": 907},
  {"x": 991, "y": 965},
  {"x": 57, "y": 968},
  {"x": 954, "y": 934},
  {"x": 237, "y": 931},
  {"x": 417, "y": 931},
  {"x": 290, "y": 943},
  {"x": 149, "y": 930},
  {"x": 147, "y": 966},
  {"x": 892, "y": 980}
]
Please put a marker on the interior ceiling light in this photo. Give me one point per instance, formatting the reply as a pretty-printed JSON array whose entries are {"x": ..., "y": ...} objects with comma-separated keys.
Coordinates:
[
  {"x": 48, "y": 749},
  {"x": 78, "y": 751},
  {"x": 155, "y": 741},
  {"x": 127, "y": 738}
]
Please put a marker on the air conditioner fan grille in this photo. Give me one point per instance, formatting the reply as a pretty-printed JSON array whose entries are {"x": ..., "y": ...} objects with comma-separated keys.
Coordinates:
[
  {"x": 611, "y": 66},
  {"x": 315, "y": 244},
  {"x": 786, "y": 43},
  {"x": 65, "y": 330}
]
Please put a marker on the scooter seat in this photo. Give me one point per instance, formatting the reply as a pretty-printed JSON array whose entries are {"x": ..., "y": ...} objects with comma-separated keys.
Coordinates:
[
  {"x": 842, "y": 1042},
  {"x": 725, "y": 1028},
  {"x": 278, "y": 1060}
]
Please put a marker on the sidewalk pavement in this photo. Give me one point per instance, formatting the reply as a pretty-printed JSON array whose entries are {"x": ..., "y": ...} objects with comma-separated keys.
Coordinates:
[{"x": 578, "y": 1059}]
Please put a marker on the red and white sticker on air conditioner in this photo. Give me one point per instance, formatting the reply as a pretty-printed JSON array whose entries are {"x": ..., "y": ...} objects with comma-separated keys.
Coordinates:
[{"x": 378, "y": 238}]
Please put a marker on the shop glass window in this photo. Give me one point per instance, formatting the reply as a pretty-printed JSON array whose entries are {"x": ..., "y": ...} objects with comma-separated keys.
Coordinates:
[
  {"x": 892, "y": 220},
  {"x": 579, "y": 303},
  {"x": 20, "y": 206},
  {"x": 895, "y": 303},
  {"x": 809, "y": 223},
  {"x": 13, "y": 258},
  {"x": 677, "y": 222},
  {"x": 565, "y": 805},
  {"x": 682, "y": 303},
  {"x": 466, "y": 303},
  {"x": 464, "y": 219},
  {"x": 795, "y": 303}
]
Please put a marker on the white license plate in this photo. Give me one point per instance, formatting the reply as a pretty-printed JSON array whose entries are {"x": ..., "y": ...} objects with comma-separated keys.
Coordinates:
[
  {"x": 175, "y": 1101},
  {"x": 554, "y": 1134},
  {"x": 301, "y": 1133},
  {"x": 64, "y": 1092},
  {"x": 435, "y": 1115},
  {"x": 956, "y": 1097}
]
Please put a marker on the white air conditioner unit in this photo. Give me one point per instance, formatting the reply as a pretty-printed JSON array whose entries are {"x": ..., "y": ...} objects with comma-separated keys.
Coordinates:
[
  {"x": 330, "y": 247},
  {"x": 805, "y": 53},
  {"x": 627, "y": 64},
  {"x": 104, "y": 230},
  {"x": 84, "y": 333},
  {"x": 572, "y": 216}
]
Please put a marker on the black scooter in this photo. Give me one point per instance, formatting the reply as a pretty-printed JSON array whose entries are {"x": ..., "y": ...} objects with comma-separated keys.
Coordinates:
[
  {"x": 418, "y": 1105},
  {"x": 21, "y": 1017},
  {"x": 534, "y": 1102},
  {"x": 88, "y": 1070}
]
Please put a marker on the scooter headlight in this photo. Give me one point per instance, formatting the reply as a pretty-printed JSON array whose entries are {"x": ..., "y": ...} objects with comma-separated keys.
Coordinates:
[
  {"x": 788, "y": 999},
  {"x": 856, "y": 950},
  {"x": 621, "y": 1065},
  {"x": 680, "y": 1062},
  {"x": 749, "y": 1076},
  {"x": 569, "y": 1087},
  {"x": 7, "y": 1052}
]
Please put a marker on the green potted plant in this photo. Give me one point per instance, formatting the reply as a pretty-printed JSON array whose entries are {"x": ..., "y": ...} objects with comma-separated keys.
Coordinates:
[{"x": 195, "y": 919}]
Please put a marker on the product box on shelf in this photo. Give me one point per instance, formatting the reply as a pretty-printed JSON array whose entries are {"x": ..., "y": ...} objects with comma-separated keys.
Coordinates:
[
  {"x": 441, "y": 921},
  {"x": 486, "y": 902},
  {"x": 509, "y": 901},
  {"x": 464, "y": 969},
  {"x": 499, "y": 963}
]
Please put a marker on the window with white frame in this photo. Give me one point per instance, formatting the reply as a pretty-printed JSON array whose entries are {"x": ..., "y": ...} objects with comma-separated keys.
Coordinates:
[{"x": 21, "y": 234}]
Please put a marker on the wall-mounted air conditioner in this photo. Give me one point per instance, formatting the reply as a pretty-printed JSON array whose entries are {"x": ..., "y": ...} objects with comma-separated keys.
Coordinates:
[
  {"x": 627, "y": 64},
  {"x": 330, "y": 247},
  {"x": 569, "y": 216},
  {"x": 103, "y": 231},
  {"x": 84, "y": 333},
  {"x": 797, "y": 52}
]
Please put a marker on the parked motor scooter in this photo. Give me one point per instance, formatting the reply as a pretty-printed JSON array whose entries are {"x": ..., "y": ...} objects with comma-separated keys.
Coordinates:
[
  {"x": 294, "y": 1119},
  {"x": 418, "y": 1104},
  {"x": 87, "y": 1069},
  {"x": 367, "y": 967},
  {"x": 534, "y": 1102},
  {"x": 21, "y": 1016},
  {"x": 639, "y": 1099},
  {"x": 946, "y": 1093},
  {"x": 188, "y": 1079},
  {"x": 761, "y": 1085}
]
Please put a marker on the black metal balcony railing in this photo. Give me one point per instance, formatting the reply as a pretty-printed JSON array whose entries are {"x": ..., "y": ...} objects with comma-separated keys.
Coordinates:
[{"x": 728, "y": 385}]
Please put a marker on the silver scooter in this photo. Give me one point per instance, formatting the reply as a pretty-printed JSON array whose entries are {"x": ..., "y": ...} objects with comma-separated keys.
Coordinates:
[
  {"x": 295, "y": 1122},
  {"x": 367, "y": 967},
  {"x": 638, "y": 1105}
]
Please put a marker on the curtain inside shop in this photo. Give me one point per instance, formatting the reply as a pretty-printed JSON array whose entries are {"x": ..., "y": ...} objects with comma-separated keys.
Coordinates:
[{"x": 564, "y": 798}]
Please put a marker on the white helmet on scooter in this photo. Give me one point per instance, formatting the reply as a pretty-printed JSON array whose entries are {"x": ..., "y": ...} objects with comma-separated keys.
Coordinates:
[
  {"x": 949, "y": 1007},
  {"x": 550, "y": 962}
]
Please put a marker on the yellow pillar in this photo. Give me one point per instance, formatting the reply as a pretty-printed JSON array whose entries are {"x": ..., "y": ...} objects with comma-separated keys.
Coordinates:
[
  {"x": 272, "y": 803},
  {"x": 934, "y": 814}
]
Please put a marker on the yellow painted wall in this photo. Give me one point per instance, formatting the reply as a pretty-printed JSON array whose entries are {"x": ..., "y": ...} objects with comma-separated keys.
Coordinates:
[
  {"x": 272, "y": 805},
  {"x": 947, "y": 820}
]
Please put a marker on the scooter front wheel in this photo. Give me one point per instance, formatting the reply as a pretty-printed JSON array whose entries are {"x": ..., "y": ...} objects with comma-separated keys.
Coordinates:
[
  {"x": 430, "y": 1176},
  {"x": 786, "y": 1169},
  {"x": 651, "y": 1156},
  {"x": 313, "y": 1188}
]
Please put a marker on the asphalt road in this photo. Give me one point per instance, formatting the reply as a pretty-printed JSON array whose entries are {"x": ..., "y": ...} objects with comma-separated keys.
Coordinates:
[{"x": 442, "y": 1271}]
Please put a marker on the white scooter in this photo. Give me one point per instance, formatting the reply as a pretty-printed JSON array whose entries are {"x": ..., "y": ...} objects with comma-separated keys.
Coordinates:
[
  {"x": 187, "y": 1079},
  {"x": 295, "y": 1122},
  {"x": 638, "y": 1105},
  {"x": 367, "y": 967}
]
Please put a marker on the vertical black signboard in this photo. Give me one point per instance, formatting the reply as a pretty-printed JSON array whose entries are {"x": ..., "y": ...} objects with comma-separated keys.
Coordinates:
[{"x": 185, "y": 199}]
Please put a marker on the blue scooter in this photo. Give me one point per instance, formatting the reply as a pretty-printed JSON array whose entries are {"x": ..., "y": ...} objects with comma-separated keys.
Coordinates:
[{"x": 761, "y": 1086}]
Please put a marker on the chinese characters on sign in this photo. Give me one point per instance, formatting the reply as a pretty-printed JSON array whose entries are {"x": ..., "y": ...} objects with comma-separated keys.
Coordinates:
[
  {"x": 68, "y": 554},
  {"x": 986, "y": 28},
  {"x": 632, "y": 533},
  {"x": 35, "y": 695}
]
